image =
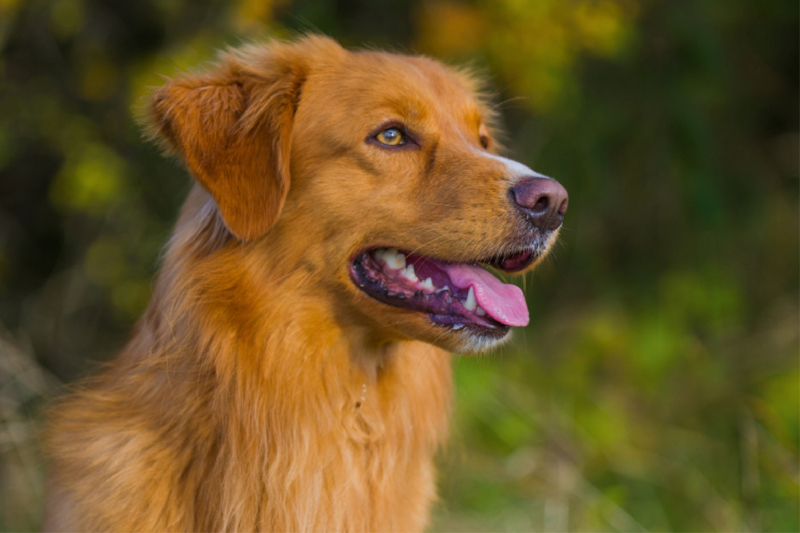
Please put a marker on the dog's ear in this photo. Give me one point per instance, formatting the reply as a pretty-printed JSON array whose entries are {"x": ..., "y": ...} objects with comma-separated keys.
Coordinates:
[{"x": 232, "y": 127}]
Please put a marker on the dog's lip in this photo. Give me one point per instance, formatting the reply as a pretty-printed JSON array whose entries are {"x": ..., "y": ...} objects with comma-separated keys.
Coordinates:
[
  {"x": 446, "y": 294},
  {"x": 514, "y": 261},
  {"x": 510, "y": 261},
  {"x": 444, "y": 308}
]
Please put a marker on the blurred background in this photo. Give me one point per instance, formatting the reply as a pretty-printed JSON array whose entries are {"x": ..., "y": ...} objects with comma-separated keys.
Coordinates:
[{"x": 658, "y": 385}]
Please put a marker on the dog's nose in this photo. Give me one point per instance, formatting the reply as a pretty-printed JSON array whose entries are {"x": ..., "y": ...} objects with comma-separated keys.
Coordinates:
[{"x": 542, "y": 200}]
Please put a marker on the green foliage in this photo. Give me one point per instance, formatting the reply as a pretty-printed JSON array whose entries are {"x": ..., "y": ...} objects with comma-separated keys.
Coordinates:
[{"x": 658, "y": 386}]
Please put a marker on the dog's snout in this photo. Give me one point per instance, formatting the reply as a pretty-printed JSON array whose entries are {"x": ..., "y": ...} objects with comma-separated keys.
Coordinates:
[{"x": 542, "y": 200}]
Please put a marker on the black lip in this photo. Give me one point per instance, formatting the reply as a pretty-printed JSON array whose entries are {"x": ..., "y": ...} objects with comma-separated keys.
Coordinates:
[
  {"x": 513, "y": 262},
  {"x": 444, "y": 308}
]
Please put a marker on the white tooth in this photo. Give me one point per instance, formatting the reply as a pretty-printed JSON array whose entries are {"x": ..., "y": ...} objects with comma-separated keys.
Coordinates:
[
  {"x": 445, "y": 288},
  {"x": 427, "y": 284},
  {"x": 479, "y": 311},
  {"x": 470, "y": 304},
  {"x": 380, "y": 253},
  {"x": 408, "y": 273},
  {"x": 458, "y": 326},
  {"x": 395, "y": 259}
]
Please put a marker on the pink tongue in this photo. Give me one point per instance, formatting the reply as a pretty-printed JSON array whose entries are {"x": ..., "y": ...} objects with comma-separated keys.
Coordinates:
[{"x": 505, "y": 303}]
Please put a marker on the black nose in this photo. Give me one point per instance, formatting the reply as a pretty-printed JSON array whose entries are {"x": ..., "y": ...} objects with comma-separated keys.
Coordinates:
[{"x": 543, "y": 201}]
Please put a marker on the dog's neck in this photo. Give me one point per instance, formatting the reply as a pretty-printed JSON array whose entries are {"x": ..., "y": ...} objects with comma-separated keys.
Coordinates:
[
  {"x": 267, "y": 411},
  {"x": 283, "y": 375},
  {"x": 262, "y": 291}
]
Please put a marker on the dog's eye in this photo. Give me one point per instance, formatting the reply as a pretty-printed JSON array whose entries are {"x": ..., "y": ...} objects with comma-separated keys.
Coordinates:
[{"x": 391, "y": 137}]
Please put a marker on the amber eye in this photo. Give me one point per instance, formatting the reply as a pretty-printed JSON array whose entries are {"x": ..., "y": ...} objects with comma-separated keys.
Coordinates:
[{"x": 391, "y": 137}]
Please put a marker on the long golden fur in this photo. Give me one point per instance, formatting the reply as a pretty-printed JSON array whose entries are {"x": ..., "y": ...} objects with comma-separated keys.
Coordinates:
[{"x": 261, "y": 390}]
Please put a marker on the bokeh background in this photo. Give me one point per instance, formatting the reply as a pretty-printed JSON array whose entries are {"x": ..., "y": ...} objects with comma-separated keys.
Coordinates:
[{"x": 658, "y": 386}]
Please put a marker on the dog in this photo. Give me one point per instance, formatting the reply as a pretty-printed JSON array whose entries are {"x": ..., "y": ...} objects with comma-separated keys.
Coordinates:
[{"x": 292, "y": 370}]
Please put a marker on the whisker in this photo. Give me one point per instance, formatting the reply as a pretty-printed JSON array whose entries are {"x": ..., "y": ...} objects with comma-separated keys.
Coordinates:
[{"x": 508, "y": 101}]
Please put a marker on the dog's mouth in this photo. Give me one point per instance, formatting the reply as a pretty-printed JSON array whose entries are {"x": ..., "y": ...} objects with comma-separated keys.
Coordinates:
[{"x": 453, "y": 295}]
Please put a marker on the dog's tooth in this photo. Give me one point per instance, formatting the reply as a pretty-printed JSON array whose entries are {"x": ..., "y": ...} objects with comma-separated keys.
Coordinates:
[
  {"x": 445, "y": 288},
  {"x": 479, "y": 311},
  {"x": 427, "y": 284},
  {"x": 394, "y": 258},
  {"x": 409, "y": 274},
  {"x": 470, "y": 304},
  {"x": 458, "y": 326}
]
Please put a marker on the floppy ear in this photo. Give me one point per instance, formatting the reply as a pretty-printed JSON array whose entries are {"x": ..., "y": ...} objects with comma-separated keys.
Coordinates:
[{"x": 232, "y": 128}]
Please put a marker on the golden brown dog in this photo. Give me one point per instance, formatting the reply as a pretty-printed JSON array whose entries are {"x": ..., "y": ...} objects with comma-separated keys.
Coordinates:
[{"x": 291, "y": 372}]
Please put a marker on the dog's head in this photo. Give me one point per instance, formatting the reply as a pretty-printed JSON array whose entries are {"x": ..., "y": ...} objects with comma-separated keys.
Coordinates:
[{"x": 375, "y": 172}]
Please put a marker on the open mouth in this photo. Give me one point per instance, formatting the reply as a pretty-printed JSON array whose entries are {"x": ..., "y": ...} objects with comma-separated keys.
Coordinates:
[{"x": 453, "y": 295}]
